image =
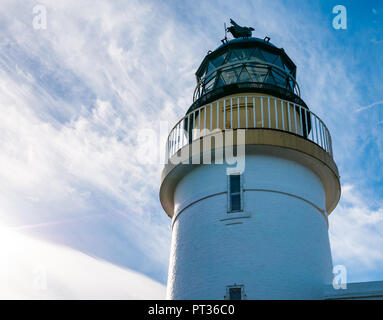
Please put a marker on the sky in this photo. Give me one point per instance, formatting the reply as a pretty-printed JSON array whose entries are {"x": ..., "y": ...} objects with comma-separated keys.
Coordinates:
[{"x": 79, "y": 188}]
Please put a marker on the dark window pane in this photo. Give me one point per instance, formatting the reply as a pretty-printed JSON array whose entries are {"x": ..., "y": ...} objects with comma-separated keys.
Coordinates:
[
  {"x": 235, "y": 294},
  {"x": 231, "y": 76},
  {"x": 219, "y": 60},
  {"x": 220, "y": 82},
  {"x": 235, "y": 183},
  {"x": 233, "y": 56},
  {"x": 235, "y": 202},
  {"x": 244, "y": 76}
]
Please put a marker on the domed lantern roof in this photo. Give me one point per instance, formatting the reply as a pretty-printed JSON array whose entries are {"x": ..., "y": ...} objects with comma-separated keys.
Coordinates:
[{"x": 246, "y": 64}]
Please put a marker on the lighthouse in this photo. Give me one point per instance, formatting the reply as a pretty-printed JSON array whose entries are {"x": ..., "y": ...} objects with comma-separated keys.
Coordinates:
[{"x": 249, "y": 181}]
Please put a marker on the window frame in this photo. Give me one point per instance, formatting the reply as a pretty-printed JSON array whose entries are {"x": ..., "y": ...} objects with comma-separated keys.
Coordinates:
[
  {"x": 235, "y": 286},
  {"x": 230, "y": 194}
]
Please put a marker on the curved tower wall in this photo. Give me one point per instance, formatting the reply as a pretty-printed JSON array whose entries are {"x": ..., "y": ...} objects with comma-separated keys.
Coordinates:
[
  {"x": 276, "y": 245},
  {"x": 277, "y": 248}
]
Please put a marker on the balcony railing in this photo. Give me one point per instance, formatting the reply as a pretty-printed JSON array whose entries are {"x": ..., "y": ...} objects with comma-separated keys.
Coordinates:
[{"x": 249, "y": 112}]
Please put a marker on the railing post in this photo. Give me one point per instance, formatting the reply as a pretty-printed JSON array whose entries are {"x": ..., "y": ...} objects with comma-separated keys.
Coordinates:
[
  {"x": 246, "y": 111},
  {"x": 238, "y": 113},
  {"x": 262, "y": 110},
  {"x": 255, "y": 122},
  {"x": 183, "y": 132},
  {"x": 224, "y": 114},
  {"x": 316, "y": 129},
  {"x": 276, "y": 113},
  {"x": 268, "y": 111},
  {"x": 204, "y": 120},
  {"x": 301, "y": 120},
  {"x": 288, "y": 115},
  {"x": 218, "y": 102},
  {"x": 211, "y": 117},
  {"x": 231, "y": 113}
]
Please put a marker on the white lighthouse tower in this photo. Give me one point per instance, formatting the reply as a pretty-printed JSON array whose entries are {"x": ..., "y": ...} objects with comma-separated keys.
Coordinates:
[{"x": 260, "y": 229}]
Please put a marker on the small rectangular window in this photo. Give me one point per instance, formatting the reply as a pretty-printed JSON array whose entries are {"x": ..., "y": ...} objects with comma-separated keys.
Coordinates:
[
  {"x": 235, "y": 185},
  {"x": 234, "y": 193},
  {"x": 235, "y": 294}
]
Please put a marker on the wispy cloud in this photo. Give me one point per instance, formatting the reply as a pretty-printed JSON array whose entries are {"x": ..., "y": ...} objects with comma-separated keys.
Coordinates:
[
  {"x": 377, "y": 103},
  {"x": 75, "y": 96}
]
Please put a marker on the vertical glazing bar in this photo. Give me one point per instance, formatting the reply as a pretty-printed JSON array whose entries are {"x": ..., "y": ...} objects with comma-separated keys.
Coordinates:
[
  {"x": 268, "y": 111},
  {"x": 276, "y": 113},
  {"x": 176, "y": 138},
  {"x": 255, "y": 122},
  {"x": 211, "y": 117},
  {"x": 307, "y": 127},
  {"x": 246, "y": 111},
  {"x": 295, "y": 118},
  {"x": 262, "y": 110},
  {"x": 199, "y": 122},
  {"x": 224, "y": 114},
  {"x": 283, "y": 116},
  {"x": 218, "y": 114},
  {"x": 183, "y": 132},
  {"x": 288, "y": 115},
  {"x": 193, "y": 125}
]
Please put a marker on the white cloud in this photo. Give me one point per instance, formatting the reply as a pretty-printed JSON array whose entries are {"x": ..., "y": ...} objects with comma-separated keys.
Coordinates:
[
  {"x": 32, "y": 269},
  {"x": 356, "y": 233},
  {"x": 75, "y": 96}
]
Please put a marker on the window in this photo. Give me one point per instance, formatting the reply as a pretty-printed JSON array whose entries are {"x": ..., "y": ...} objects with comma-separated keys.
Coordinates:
[
  {"x": 235, "y": 292},
  {"x": 235, "y": 193}
]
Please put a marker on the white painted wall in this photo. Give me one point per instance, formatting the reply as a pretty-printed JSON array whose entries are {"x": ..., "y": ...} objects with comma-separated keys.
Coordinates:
[{"x": 280, "y": 249}]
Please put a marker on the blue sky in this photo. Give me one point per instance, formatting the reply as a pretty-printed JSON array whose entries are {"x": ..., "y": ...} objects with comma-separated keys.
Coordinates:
[{"x": 76, "y": 95}]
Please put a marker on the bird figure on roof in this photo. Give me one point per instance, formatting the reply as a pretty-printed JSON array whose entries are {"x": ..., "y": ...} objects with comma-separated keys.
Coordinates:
[{"x": 239, "y": 32}]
